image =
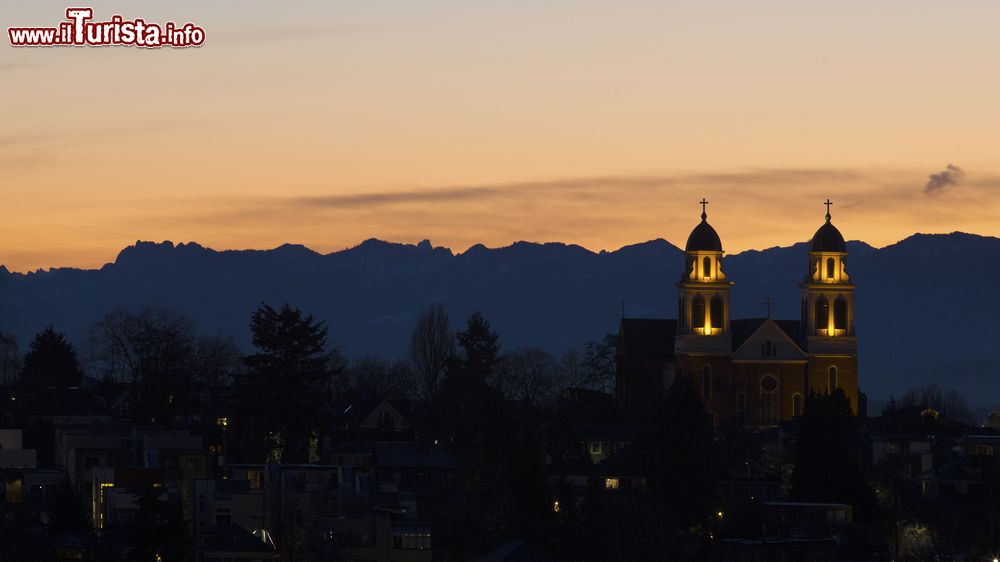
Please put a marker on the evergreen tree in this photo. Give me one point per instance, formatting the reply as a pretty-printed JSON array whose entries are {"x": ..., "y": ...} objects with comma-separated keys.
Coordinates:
[
  {"x": 474, "y": 422},
  {"x": 285, "y": 394},
  {"x": 480, "y": 347},
  {"x": 69, "y": 515},
  {"x": 158, "y": 528},
  {"x": 827, "y": 461},
  {"x": 50, "y": 361},
  {"x": 683, "y": 476},
  {"x": 679, "y": 453}
]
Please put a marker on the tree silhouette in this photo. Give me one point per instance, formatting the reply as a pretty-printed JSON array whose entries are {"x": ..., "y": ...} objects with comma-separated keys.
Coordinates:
[
  {"x": 680, "y": 449},
  {"x": 431, "y": 346},
  {"x": 480, "y": 347},
  {"x": 161, "y": 354},
  {"x": 477, "y": 427},
  {"x": 158, "y": 528},
  {"x": 69, "y": 514},
  {"x": 826, "y": 456},
  {"x": 10, "y": 359},
  {"x": 285, "y": 394},
  {"x": 50, "y": 361}
]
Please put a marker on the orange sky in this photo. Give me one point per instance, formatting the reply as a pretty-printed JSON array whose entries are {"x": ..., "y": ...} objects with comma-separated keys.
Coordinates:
[{"x": 597, "y": 123}]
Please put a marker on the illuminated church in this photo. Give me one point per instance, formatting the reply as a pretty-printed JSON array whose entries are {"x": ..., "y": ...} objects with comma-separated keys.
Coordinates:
[{"x": 760, "y": 368}]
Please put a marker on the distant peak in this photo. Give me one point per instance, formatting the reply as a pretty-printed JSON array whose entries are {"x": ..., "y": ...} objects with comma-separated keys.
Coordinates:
[
  {"x": 144, "y": 250},
  {"x": 476, "y": 249},
  {"x": 373, "y": 243},
  {"x": 658, "y": 244}
]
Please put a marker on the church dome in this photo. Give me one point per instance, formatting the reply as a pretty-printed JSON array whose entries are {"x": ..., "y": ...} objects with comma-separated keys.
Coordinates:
[
  {"x": 703, "y": 238},
  {"x": 827, "y": 239}
]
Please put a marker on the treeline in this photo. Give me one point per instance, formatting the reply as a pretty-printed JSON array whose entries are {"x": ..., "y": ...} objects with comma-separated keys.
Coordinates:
[{"x": 163, "y": 355}]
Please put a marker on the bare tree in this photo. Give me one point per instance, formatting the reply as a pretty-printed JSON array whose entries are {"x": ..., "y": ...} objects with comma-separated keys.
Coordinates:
[
  {"x": 528, "y": 374},
  {"x": 10, "y": 359},
  {"x": 599, "y": 363},
  {"x": 160, "y": 353},
  {"x": 217, "y": 360},
  {"x": 374, "y": 378},
  {"x": 431, "y": 345},
  {"x": 949, "y": 403},
  {"x": 131, "y": 347},
  {"x": 571, "y": 371}
]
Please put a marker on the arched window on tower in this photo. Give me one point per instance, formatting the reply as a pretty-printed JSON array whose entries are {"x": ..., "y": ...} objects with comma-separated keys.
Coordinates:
[
  {"x": 822, "y": 313},
  {"x": 706, "y": 383},
  {"x": 832, "y": 375},
  {"x": 698, "y": 311},
  {"x": 741, "y": 402},
  {"x": 716, "y": 312},
  {"x": 840, "y": 313},
  {"x": 797, "y": 405},
  {"x": 831, "y": 266},
  {"x": 706, "y": 267}
]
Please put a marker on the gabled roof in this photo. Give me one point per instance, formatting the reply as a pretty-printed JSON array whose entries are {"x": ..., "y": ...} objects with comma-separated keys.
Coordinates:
[
  {"x": 372, "y": 420},
  {"x": 126, "y": 395},
  {"x": 71, "y": 401},
  {"x": 749, "y": 335}
]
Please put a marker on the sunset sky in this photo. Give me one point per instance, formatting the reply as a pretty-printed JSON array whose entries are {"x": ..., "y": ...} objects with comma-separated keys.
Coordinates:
[{"x": 598, "y": 123}]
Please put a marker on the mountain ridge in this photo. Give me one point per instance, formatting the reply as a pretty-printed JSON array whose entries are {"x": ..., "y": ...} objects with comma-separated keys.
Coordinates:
[{"x": 913, "y": 318}]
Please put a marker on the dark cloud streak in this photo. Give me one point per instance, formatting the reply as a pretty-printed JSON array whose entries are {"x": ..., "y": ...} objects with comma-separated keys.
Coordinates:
[{"x": 949, "y": 177}]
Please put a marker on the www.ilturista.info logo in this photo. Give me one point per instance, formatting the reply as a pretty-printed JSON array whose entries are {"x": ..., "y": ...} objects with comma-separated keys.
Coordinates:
[{"x": 79, "y": 31}]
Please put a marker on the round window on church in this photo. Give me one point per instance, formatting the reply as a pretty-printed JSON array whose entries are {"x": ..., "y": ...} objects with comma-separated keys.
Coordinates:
[{"x": 768, "y": 384}]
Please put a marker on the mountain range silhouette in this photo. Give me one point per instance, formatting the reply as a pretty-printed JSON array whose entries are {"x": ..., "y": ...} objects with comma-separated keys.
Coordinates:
[{"x": 925, "y": 312}]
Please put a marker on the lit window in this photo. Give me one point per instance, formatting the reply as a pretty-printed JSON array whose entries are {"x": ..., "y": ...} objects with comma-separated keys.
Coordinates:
[
  {"x": 595, "y": 447},
  {"x": 611, "y": 483},
  {"x": 222, "y": 422}
]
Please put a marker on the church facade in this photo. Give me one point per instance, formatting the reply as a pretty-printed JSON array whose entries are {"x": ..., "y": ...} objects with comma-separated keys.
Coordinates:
[{"x": 759, "y": 368}]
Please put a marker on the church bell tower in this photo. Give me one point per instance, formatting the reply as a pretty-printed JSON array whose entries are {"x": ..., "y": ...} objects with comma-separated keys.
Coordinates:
[
  {"x": 827, "y": 297},
  {"x": 703, "y": 294}
]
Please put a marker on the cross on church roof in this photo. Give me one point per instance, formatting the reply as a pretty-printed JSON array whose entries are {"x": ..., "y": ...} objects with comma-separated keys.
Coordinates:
[
  {"x": 828, "y": 203},
  {"x": 703, "y": 203},
  {"x": 768, "y": 304}
]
